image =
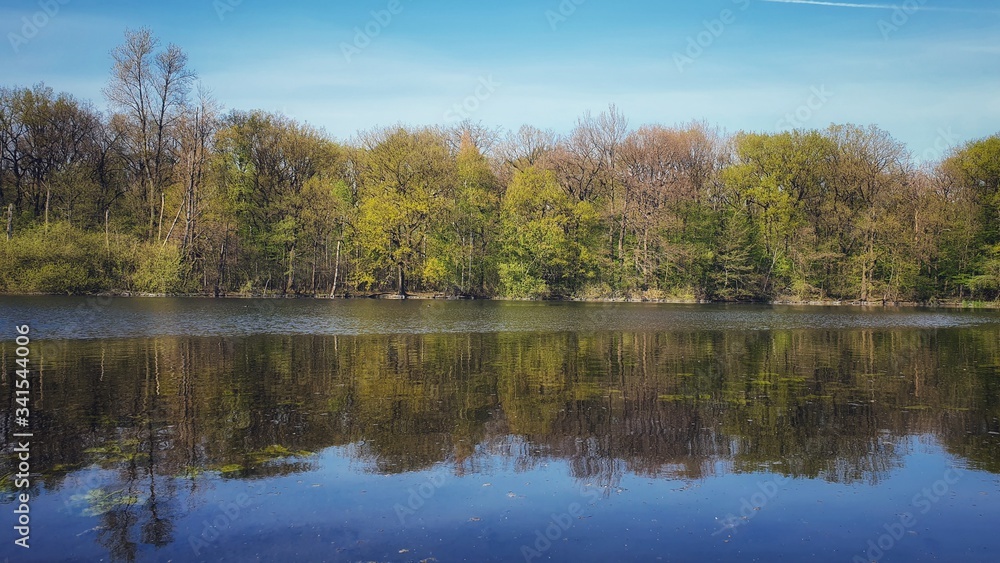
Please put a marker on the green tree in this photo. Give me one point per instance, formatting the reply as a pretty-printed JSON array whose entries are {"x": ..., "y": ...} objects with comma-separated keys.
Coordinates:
[
  {"x": 278, "y": 176},
  {"x": 475, "y": 221},
  {"x": 975, "y": 172},
  {"x": 872, "y": 179},
  {"x": 548, "y": 238},
  {"x": 780, "y": 181},
  {"x": 407, "y": 191}
]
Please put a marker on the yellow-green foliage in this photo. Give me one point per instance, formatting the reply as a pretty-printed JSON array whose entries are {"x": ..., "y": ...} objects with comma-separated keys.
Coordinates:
[
  {"x": 546, "y": 237},
  {"x": 64, "y": 259},
  {"x": 60, "y": 259},
  {"x": 157, "y": 268}
]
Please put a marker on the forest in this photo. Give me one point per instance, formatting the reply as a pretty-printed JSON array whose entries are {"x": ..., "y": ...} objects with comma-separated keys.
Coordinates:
[{"x": 166, "y": 192}]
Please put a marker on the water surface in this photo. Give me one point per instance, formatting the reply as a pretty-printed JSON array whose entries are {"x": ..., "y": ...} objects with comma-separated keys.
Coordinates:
[{"x": 240, "y": 430}]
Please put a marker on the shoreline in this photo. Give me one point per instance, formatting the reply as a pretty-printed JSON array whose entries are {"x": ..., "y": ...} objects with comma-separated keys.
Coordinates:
[{"x": 935, "y": 304}]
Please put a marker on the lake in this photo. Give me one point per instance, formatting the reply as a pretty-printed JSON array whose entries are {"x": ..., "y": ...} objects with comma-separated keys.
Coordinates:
[{"x": 304, "y": 430}]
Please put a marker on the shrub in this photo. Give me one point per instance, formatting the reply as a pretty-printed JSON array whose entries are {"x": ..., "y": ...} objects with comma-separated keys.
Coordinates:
[
  {"x": 157, "y": 268},
  {"x": 60, "y": 259}
]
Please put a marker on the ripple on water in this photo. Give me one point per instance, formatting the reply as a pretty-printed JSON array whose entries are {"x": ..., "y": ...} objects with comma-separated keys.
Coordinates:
[{"x": 90, "y": 318}]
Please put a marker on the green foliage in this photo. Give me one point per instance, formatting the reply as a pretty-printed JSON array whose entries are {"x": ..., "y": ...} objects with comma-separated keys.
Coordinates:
[
  {"x": 278, "y": 190},
  {"x": 100, "y": 501},
  {"x": 778, "y": 182},
  {"x": 976, "y": 170},
  {"x": 475, "y": 223},
  {"x": 546, "y": 238},
  {"x": 732, "y": 273},
  {"x": 408, "y": 188},
  {"x": 435, "y": 272},
  {"x": 62, "y": 259},
  {"x": 517, "y": 281},
  {"x": 158, "y": 269},
  {"x": 255, "y": 202}
]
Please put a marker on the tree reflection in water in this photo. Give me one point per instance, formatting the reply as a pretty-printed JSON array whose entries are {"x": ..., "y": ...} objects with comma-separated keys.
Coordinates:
[{"x": 157, "y": 414}]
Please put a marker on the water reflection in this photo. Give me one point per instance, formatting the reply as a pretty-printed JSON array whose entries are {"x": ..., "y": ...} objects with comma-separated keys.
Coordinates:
[{"x": 136, "y": 430}]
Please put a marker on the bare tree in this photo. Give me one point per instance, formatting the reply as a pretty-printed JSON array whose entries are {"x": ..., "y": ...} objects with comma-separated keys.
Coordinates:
[
  {"x": 196, "y": 130},
  {"x": 484, "y": 138},
  {"x": 662, "y": 172},
  {"x": 587, "y": 160},
  {"x": 524, "y": 148},
  {"x": 150, "y": 88}
]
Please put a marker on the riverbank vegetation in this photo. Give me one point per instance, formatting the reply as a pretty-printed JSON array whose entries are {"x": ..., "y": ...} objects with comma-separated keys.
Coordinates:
[{"x": 166, "y": 192}]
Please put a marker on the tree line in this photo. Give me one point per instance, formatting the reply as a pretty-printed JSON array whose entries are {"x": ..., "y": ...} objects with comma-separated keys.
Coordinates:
[{"x": 165, "y": 192}]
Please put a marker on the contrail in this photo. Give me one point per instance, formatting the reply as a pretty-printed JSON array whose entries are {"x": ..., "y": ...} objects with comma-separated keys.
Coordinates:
[
  {"x": 837, "y": 4},
  {"x": 882, "y": 6}
]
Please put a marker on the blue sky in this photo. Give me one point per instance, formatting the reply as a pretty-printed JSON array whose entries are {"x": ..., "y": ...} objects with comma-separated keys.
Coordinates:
[{"x": 929, "y": 76}]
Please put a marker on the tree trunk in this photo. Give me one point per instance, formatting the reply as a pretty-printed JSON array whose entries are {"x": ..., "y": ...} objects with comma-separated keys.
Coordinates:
[
  {"x": 336, "y": 271},
  {"x": 402, "y": 280},
  {"x": 621, "y": 240},
  {"x": 48, "y": 196},
  {"x": 290, "y": 281},
  {"x": 152, "y": 209},
  {"x": 312, "y": 283},
  {"x": 172, "y": 225},
  {"x": 222, "y": 264},
  {"x": 10, "y": 221},
  {"x": 867, "y": 268},
  {"x": 159, "y": 231},
  {"x": 461, "y": 284},
  {"x": 189, "y": 209}
]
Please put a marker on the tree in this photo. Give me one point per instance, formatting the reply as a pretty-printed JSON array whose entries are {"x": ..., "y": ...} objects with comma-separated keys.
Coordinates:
[
  {"x": 871, "y": 178},
  {"x": 150, "y": 89},
  {"x": 524, "y": 148},
  {"x": 778, "y": 181},
  {"x": 49, "y": 144},
  {"x": 197, "y": 128},
  {"x": 407, "y": 189},
  {"x": 186, "y": 199},
  {"x": 273, "y": 169},
  {"x": 666, "y": 176},
  {"x": 475, "y": 221},
  {"x": 974, "y": 171},
  {"x": 548, "y": 238}
]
